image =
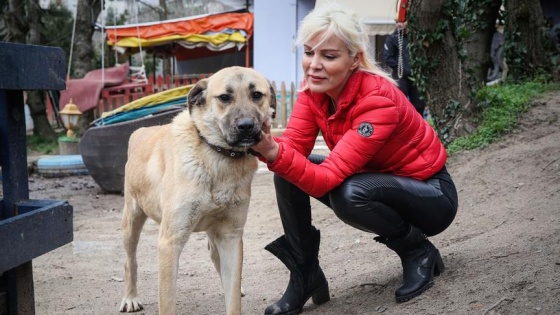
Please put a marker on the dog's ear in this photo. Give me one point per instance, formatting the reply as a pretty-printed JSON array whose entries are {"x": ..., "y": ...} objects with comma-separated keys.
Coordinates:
[
  {"x": 196, "y": 95},
  {"x": 272, "y": 100}
]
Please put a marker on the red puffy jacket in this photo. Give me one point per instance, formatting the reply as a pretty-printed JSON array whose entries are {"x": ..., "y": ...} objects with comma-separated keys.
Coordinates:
[{"x": 375, "y": 129}]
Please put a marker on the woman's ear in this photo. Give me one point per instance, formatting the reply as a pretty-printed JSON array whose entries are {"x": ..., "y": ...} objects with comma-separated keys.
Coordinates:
[{"x": 357, "y": 58}]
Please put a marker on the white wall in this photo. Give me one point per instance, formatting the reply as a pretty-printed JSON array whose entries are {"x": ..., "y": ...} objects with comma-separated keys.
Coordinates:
[
  {"x": 274, "y": 35},
  {"x": 276, "y": 24},
  {"x": 304, "y": 6}
]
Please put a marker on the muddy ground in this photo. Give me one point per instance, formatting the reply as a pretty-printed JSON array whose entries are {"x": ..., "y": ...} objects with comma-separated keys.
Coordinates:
[{"x": 502, "y": 253}]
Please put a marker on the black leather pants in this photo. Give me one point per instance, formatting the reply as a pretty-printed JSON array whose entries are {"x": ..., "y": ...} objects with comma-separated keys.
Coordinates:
[{"x": 378, "y": 203}]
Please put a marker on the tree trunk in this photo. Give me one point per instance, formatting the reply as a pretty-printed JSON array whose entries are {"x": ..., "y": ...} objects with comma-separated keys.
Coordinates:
[
  {"x": 88, "y": 12},
  {"x": 449, "y": 66},
  {"x": 86, "y": 16},
  {"x": 524, "y": 28},
  {"x": 16, "y": 26},
  {"x": 36, "y": 99},
  {"x": 478, "y": 46}
]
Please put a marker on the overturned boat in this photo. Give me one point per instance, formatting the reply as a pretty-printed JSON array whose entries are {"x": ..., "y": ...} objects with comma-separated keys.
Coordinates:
[{"x": 104, "y": 145}]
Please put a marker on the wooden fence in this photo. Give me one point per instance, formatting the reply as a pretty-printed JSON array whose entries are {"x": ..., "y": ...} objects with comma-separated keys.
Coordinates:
[
  {"x": 285, "y": 98},
  {"x": 117, "y": 96},
  {"x": 114, "y": 97}
]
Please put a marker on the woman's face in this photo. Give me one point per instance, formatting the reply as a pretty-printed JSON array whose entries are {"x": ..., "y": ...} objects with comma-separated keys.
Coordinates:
[{"x": 328, "y": 66}]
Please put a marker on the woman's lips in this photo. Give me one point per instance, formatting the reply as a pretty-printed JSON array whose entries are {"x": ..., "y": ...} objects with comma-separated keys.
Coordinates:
[{"x": 316, "y": 78}]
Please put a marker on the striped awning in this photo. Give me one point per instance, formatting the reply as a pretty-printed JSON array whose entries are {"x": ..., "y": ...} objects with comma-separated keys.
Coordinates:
[{"x": 214, "y": 31}]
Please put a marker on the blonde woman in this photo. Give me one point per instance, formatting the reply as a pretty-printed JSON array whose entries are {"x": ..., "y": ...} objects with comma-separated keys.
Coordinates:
[{"x": 385, "y": 173}]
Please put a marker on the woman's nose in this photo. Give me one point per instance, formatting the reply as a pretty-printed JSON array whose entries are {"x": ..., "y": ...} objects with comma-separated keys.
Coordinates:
[{"x": 316, "y": 62}]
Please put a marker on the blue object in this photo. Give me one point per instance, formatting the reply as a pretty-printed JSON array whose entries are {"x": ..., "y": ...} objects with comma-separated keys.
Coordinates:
[
  {"x": 61, "y": 165},
  {"x": 139, "y": 112}
]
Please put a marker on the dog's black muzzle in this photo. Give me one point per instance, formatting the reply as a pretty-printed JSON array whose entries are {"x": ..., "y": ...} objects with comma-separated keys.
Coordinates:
[{"x": 247, "y": 133}]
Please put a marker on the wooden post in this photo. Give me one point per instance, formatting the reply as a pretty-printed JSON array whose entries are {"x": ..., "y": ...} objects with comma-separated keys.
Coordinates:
[
  {"x": 278, "y": 106},
  {"x": 284, "y": 102},
  {"x": 25, "y": 232},
  {"x": 247, "y": 55},
  {"x": 293, "y": 97}
]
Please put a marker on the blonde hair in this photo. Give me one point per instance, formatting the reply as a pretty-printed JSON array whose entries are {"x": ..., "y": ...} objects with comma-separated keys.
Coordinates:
[{"x": 332, "y": 19}]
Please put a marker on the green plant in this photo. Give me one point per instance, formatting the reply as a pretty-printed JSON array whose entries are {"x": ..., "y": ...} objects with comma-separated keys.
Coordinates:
[
  {"x": 501, "y": 106},
  {"x": 41, "y": 145}
]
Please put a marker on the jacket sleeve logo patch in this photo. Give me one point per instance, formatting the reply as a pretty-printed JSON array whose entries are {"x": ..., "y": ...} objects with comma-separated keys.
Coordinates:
[{"x": 365, "y": 129}]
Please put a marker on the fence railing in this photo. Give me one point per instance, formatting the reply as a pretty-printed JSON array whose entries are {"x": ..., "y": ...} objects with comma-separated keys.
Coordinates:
[
  {"x": 117, "y": 96},
  {"x": 285, "y": 98}
]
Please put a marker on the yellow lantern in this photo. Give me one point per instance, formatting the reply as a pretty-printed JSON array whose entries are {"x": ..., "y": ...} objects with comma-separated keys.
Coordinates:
[{"x": 70, "y": 115}]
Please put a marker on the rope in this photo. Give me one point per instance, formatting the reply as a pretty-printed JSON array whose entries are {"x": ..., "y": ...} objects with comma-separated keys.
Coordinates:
[{"x": 400, "y": 34}]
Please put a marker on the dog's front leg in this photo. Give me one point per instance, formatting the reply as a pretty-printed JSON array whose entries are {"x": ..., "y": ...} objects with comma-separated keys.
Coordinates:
[
  {"x": 170, "y": 245},
  {"x": 230, "y": 251},
  {"x": 132, "y": 222}
]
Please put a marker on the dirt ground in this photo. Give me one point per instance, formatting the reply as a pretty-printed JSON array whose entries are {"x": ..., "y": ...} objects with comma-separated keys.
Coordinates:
[{"x": 502, "y": 253}]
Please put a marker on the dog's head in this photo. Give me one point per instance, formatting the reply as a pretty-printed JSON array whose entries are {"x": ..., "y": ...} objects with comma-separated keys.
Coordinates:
[{"x": 230, "y": 107}]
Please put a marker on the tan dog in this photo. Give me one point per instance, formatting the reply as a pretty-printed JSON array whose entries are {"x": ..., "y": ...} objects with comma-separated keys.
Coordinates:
[{"x": 195, "y": 175}]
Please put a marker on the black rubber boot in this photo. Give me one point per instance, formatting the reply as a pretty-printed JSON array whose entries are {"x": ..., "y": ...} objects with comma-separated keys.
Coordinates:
[
  {"x": 306, "y": 280},
  {"x": 420, "y": 260}
]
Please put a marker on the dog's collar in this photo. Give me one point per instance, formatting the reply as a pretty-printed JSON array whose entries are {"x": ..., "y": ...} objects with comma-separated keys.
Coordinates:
[{"x": 227, "y": 152}]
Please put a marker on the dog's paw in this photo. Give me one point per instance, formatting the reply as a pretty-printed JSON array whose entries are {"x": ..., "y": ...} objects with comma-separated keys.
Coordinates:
[{"x": 130, "y": 304}]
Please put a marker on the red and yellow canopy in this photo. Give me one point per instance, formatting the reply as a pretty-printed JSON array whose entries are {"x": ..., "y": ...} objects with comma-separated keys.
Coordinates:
[{"x": 214, "y": 31}]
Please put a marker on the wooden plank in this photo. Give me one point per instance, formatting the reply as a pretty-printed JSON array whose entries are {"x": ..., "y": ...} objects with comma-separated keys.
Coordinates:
[
  {"x": 20, "y": 280},
  {"x": 19, "y": 297},
  {"x": 31, "y": 67},
  {"x": 29, "y": 235},
  {"x": 3, "y": 295},
  {"x": 34, "y": 233},
  {"x": 13, "y": 152}
]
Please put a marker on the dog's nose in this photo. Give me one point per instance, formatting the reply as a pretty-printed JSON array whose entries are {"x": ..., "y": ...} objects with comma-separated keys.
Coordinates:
[{"x": 245, "y": 125}]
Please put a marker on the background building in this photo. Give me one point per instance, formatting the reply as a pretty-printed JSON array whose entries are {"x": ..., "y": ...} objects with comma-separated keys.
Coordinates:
[{"x": 276, "y": 24}]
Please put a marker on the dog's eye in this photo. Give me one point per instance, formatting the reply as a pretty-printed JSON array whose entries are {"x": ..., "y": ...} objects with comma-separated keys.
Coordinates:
[
  {"x": 257, "y": 96},
  {"x": 224, "y": 98}
]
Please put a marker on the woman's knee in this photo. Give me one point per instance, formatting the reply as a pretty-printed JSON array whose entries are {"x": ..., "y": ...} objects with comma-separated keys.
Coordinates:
[
  {"x": 359, "y": 203},
  {"x": 352, "y": 207},
  {"x": 345, "y": 199}
]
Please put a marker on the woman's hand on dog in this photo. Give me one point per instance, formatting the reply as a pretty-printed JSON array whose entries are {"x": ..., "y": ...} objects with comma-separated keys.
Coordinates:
[{"x": 267, "y": 147}]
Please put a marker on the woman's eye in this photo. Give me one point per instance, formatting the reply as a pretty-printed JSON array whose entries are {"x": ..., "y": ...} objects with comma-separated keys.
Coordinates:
[
  {"x": 308, "y": 53},
  {"x": 330, "y": 57},
  {"x": 224, "y": 98}
]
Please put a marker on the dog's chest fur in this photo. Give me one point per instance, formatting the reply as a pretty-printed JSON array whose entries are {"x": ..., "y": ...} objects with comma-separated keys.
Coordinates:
[
  {"x": 217, "y": 184},
  {"x": 222, "y": 198},
  {"x": 188, "y": 173},
  {"x": 228, "y": 191}
]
